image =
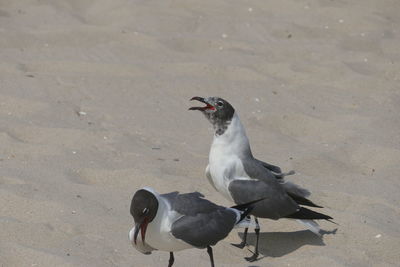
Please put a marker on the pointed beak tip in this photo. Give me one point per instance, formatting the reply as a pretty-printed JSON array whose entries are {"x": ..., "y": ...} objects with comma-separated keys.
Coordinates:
[{"x": 198, "y": 98}]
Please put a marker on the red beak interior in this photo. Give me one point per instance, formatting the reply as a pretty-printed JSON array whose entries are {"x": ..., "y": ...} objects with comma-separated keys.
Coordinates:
[
  {"x": 143, "y": 229},
  {"x": 201, "y": 99}
]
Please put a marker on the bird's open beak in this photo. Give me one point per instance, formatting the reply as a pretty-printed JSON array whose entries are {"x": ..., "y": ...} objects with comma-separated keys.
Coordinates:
[
  {"x": 202, "y": 100},
  {"x": 142, "y": 226}
]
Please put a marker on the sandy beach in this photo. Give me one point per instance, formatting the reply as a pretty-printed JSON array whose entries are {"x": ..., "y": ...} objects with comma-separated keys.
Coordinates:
[{"x": 94, "y": 99}]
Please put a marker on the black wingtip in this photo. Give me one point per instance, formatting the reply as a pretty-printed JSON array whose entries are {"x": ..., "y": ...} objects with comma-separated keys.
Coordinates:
[
  {"x": 303, "y": 201},
  {"x": 246, "y": 207},
  {"x": 307, "y": 214}
]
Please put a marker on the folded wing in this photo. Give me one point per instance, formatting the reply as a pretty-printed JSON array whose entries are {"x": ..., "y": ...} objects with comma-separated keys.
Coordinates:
[{"x": 202, "y": 223}]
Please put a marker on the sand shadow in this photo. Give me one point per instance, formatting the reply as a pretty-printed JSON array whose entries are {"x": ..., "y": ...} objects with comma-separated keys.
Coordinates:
[{"x": 278, "y": 244}]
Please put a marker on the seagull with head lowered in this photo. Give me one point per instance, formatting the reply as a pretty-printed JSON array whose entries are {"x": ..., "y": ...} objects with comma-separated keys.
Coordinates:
[
  {"x": 237, "y": 175},
  {"x": 173, "y": 221}
]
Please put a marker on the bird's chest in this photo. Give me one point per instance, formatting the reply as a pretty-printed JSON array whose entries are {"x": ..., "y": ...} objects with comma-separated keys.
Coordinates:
[
  {"x": 224, "y": 167},
  {"x": 159, "y": 234}
]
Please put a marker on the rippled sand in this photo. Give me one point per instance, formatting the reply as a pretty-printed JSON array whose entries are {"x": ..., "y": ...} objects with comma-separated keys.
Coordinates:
[{"x": 93, "y": 105}]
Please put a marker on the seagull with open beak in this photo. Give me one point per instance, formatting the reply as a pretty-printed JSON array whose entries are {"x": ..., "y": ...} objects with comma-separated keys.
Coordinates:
[
  {"x": 173, "y": 222},
  {"x": 239, "y": 177}
]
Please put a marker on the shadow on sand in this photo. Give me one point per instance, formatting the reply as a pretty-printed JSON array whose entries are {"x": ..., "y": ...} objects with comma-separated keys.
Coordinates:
[{"x": 278, "y": 244}]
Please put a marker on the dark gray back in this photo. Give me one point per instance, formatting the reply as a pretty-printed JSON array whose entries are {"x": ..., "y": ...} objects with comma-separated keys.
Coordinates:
[
  {"x": 203, "y": 223},
  {"x": 190, "y": 203}
]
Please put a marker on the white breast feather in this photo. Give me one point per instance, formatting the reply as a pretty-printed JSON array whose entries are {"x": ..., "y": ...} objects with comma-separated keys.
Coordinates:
[
  {"x": 158, "y": 234},
  {"x": 224, "y": 160}
]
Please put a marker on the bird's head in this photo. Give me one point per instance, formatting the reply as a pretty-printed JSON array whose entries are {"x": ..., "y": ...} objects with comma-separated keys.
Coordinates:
[
  {"x": 217, "y": 110},
  {"x": 144, "y": 208}
]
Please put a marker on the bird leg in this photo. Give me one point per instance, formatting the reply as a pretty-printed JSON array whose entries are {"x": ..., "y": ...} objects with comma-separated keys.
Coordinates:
[
  {"x": 210, "y": 253},
  {"x": 244, "y": 240},
  {"x": 255, "y": 254},
  {"x": 171, "y": 259},
  {"x": 243, "y": 243}
]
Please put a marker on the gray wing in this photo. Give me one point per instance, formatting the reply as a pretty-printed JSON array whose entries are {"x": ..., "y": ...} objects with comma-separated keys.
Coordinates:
[
  {"x": 256, "y": 170},
  {"x": 203, "y": 223},
  {"x": 277, "y": 203},
  {"x": 190, "y": 204},
  {"x": 270, "y": 167},
  {"x": 276, "y": 171},
  {"x": 204, "y": 229},
  {"x": 263, "y": 184}
]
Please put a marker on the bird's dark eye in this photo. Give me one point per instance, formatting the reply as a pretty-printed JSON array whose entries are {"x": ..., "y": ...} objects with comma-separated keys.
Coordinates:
[{"x": 220, "y": 103}]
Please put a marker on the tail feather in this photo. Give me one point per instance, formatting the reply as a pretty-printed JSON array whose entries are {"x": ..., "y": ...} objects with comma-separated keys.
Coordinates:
[
  {"x": 247, "y": 222},
  {"x": 312, "y": 226}
]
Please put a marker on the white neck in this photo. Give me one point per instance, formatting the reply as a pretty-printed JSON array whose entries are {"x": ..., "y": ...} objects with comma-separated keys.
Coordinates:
[
  {"x": 158, "y": 233},
  {"x": 234, "y": 139}
]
